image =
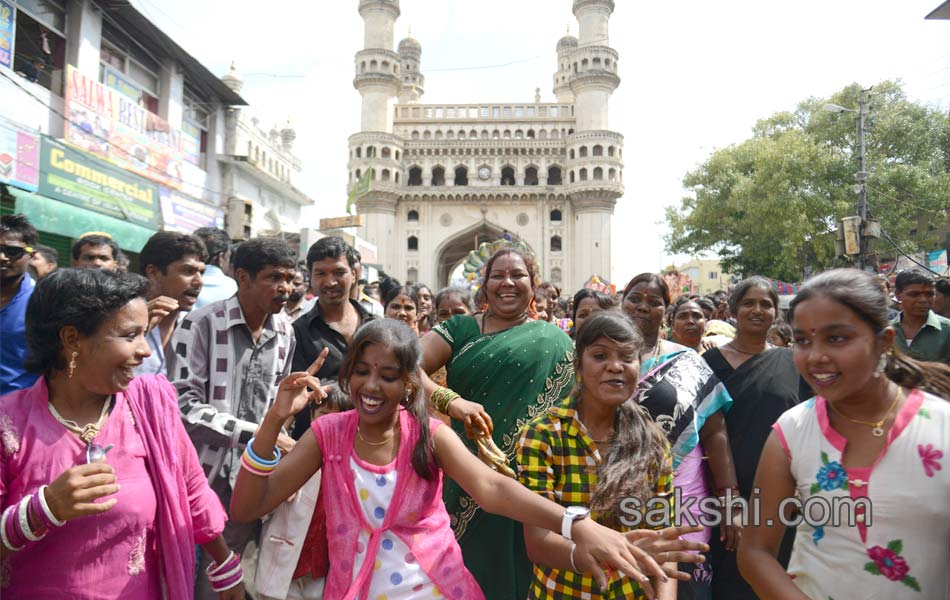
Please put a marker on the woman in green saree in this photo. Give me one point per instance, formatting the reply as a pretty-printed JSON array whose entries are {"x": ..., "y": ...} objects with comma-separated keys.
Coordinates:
[{"x": 507, "y": 368}]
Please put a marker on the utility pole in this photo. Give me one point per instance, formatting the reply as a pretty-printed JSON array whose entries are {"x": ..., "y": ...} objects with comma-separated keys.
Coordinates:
[{"x": 861, "y": 177}]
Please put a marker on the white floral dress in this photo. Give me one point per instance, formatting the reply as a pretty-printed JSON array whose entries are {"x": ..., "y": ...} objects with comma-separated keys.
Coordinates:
[{"x": 898, "y": 546}]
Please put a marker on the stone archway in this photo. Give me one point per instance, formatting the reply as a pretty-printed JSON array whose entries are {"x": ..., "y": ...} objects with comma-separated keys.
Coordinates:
[{"x": 454, "y": 250}]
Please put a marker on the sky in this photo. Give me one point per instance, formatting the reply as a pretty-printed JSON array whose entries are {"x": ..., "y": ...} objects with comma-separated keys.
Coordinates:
[{"x": 695, "y": 75}]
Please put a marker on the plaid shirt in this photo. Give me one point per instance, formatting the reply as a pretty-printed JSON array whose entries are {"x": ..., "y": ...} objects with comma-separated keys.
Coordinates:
[
  {"x": 225, "y": 380},
  {"x": 558, "y": 459}
]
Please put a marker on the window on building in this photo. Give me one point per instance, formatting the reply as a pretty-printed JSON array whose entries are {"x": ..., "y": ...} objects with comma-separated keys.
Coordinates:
[
  {"x": 556, "y": 215},
  {"x": 413, "y": 215},
  {"x": 611, "y": 151},
  {"x": 598, "y": 173},
  {"x": 386, "y": 152},
  {"x": 531, "y": 176},
  {"x": 508, "y": 176},
  {"x": 415, "y": 176},
  {"x": 555, "y": 243},
  {"x": 359, "y": 152},
  {"x": 598, "y": 150},
  {"x": 412, "y": 275},
  {"x": 461, "y": 175},
  {"x": 571, "y": 154},
  {"x": 385, "y": 175},
  {"x": 139, "y": 65},
  {"x": 412, "y": 243},
  {"x": 556, "y": 275},
  {"x": 438, "y": 176},
  {"x": 583, "y": 174},
  {"x": 713, "y": 275},
  {"x": 572, "y": 176},
  {"x": 583, "y": 152},
  {"x": 554, "y": 175},
  {"x": 371, "y": 152},
  {"x": 40, "y": 27}
]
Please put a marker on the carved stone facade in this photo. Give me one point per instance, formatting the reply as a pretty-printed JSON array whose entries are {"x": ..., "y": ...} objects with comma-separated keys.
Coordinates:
[{"x": 447, "y": 177}]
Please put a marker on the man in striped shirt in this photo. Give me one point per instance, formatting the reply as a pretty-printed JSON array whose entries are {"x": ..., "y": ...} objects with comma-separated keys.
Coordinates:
[{"x": 229, "y": 359}]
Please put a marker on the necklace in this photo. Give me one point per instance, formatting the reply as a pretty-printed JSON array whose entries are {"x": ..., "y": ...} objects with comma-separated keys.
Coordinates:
[
  {"x": 88, "y": 432},
  {"x": 654, "y": 354},
  {"x": 735, "y": 348},
  {"x": 876, "y": 427},
  {"x": 359, "y": 434}
]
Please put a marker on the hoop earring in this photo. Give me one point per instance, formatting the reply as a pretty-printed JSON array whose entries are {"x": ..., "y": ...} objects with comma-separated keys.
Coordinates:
[
  {"x": 72, "y": 364},
  {"x": 881, "y": 365}
]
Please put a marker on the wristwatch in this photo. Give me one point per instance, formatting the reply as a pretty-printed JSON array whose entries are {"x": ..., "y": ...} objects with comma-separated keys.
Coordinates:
[{"x": 572, "y": 514}]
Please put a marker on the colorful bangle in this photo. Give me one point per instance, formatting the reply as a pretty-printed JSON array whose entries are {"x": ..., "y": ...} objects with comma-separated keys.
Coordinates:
[
  {"x": 442, "y": 397},
  {"x": 23, "y": 515},
  {"x": 45, "y": 514},
  {"x": 247, "y": 466},
  {"x": 226, "y": 565},
  {"x": 4, "y": 522},
  {"x": 226, "y": 575},
  {"x": 257, "y": 460}
]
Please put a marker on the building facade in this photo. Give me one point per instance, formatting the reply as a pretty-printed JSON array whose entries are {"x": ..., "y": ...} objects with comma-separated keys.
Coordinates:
[
  {"x": 259, "y": 170},
  {"x": 107, "y": 124},
  {"x": 706, "y": 276},
  {"x": 447, "y": 177}
]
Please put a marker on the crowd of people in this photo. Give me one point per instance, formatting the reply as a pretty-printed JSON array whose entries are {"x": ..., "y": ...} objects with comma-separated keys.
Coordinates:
[{"x": 234, "y": 421}]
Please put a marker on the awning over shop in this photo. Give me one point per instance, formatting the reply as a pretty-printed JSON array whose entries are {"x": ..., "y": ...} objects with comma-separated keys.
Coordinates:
[{"x": 65, "y": 219}]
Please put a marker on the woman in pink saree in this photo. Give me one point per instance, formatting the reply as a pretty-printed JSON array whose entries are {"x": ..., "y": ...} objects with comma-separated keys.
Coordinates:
[{"x": 101, "y": 491}]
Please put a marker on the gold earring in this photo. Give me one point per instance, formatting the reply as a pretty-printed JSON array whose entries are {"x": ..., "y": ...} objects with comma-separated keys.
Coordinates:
[{"x": 72, "y": 364}]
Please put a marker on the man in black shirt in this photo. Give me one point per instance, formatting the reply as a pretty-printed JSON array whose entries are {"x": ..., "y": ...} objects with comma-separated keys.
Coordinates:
[{"x": 334, "y": 318}]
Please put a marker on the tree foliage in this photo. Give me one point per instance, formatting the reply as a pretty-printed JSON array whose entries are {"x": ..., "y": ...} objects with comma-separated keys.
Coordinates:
[{"x": 770, "y": 205}]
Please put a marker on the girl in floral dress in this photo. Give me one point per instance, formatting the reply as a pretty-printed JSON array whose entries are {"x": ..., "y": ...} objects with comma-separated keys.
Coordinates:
[{"x": 872, "y": 443}]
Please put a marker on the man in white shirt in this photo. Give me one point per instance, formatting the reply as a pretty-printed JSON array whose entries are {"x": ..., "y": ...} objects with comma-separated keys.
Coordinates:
[{"x": 217, "y": 284}]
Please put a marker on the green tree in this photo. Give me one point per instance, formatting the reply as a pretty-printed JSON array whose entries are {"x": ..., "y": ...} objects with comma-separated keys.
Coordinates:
[{"x": 770, "y": 205}]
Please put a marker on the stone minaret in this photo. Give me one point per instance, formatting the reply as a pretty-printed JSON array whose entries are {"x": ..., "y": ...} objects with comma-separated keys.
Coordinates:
[
  {"x": 375, "y": 148},
  {"x": 594, "y": 152},
  {"x": 413, "y": 81}
]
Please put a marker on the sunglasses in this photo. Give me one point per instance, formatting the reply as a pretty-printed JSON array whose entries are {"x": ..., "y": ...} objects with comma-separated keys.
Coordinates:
[{"x": 15, "y": 252}]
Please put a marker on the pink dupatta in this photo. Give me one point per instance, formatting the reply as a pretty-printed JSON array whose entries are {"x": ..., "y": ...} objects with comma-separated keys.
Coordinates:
[
  {"x": 416, "y": 515},
  {"x": 188, "y": 512}
]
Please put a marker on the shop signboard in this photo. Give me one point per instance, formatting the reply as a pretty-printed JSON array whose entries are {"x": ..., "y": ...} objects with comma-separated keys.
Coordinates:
[
  {"x": 118, "y": 82},
  {"x": 7, "y": 33},
  {"x": 19, "y": 156},
  {"x": 113, "y": 126},
  {"x": 77, "y": 178},
  {"x": 184, "y": 214}
]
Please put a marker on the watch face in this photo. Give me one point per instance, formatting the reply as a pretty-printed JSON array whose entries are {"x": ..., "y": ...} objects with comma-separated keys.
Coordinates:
[
  {"x": 484, "y": 173},
  {"x": 577, "y": 511}
]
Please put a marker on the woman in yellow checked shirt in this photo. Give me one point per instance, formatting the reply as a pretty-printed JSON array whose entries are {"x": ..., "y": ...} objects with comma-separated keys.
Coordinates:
[{"x": 592, "y": 451}]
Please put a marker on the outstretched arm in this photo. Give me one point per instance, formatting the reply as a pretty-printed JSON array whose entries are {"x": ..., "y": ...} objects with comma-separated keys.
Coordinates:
[{"x": 500, "y": 495}]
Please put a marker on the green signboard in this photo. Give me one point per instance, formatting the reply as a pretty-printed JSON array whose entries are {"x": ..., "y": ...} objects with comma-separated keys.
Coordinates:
[{"x": 80, "y": 179}]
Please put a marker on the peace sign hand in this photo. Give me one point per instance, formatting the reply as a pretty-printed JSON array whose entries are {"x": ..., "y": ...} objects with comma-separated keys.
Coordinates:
[{"x": 298, "y": 389}]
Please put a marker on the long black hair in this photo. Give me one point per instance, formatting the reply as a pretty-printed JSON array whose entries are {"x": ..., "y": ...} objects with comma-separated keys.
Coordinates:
[
  {"x": 404, "y": 344},
  {"x": 638, "y": 453},
  {"x": 860, "y": 292}
]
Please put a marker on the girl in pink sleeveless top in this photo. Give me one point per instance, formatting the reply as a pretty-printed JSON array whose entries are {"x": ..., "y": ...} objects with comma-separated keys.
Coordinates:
[{"x": 388, "y": 531}]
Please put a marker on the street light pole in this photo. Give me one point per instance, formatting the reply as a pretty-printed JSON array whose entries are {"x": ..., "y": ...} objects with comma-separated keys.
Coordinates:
[{"x": 861, "y": 177}]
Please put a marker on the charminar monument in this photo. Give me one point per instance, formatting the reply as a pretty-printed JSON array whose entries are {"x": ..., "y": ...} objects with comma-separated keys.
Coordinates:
[{"x": 446, "y": 177}]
